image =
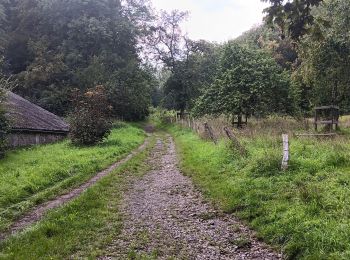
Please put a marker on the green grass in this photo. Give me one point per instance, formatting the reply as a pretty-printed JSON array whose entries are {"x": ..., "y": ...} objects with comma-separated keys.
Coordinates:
[
  {"x": 305, "y": 210},
  {"x": 82, "y": 228},
  {"x": 32, "y": 175}
]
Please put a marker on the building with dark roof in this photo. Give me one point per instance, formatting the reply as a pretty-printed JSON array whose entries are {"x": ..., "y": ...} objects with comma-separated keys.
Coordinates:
[{"x": 31, "y": 124}]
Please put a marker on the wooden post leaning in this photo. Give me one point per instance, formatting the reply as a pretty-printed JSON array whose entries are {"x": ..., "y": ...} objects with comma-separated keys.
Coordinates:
[
  {"x": 285, "y": 159},
  {"x": 235, "y": 141},
  {"x": 209, "y": 130}
]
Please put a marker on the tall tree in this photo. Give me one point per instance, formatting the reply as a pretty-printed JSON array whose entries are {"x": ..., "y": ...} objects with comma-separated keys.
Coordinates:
[
  {"x": 192, "y": 64},
  {"x": 191, "y": 75},
  {"x": 293, "y": 17},
  {"x": 57, "y": 45},
  {"x": 268, "y": 38},
  {"x": 249, "y": 83},
  {"x": 166, "y": 40},
  {"x": 325, "y": 58}
]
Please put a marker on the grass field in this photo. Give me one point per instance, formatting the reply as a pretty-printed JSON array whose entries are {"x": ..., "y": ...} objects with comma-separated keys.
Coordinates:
[
  {"x": 305, "y": 211},
  {"x": 32, "y": 175},
  {"x": 82, "y": 228}
]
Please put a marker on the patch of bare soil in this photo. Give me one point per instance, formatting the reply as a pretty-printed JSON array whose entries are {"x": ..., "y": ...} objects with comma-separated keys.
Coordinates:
[
  {"x": 38, "y": 212},
  {"x": 165, "y": 217}
]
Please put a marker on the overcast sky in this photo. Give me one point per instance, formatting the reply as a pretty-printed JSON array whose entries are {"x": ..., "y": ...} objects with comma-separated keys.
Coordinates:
[{"x": 216, "y": 20}]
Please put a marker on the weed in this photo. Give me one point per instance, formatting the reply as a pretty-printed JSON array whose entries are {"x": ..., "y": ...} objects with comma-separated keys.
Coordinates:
[{"x": 241, "y": 242}]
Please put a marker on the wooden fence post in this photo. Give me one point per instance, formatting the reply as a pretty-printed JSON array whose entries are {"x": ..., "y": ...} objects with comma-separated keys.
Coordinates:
[
  {"x": 210, "y": 132},
  {"x": 235, "y": 141},
  {"x": 285, "y": 159}
]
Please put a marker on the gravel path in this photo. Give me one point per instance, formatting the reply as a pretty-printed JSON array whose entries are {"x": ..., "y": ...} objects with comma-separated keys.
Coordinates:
[
  {"x": 165, "y": 217},
  {"x": 39, "y": 211}
]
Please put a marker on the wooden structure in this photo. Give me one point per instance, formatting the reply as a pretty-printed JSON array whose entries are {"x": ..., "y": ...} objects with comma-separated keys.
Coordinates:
[
  {"x": 316, "y": 135},
  {"x": 239, "y": 122},
  {"x": 328, "y": 116},
  {"x": 210, "y": 132},
  {"x": 31, "y": 124},
  {"x": 235, "y": 141}
]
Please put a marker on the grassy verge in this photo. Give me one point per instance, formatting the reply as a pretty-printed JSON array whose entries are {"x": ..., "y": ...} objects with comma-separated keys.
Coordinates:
[
  {"x": 83, "y": 227},
  {"x": 305, "y": 210},
  {"x": 32, "y": 175}
]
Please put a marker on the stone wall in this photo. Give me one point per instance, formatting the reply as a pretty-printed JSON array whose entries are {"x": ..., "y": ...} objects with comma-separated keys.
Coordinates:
[{"x": 21, "y": 139}]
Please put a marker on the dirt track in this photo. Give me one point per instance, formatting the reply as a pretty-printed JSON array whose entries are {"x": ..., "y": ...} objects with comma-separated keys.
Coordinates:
[
  {"x": 38, "y": 212},
  {"x": 166, "y": 217}
]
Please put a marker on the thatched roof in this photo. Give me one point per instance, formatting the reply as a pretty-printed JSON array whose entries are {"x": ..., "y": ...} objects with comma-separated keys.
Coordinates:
[{"x": 26, "y": 116}]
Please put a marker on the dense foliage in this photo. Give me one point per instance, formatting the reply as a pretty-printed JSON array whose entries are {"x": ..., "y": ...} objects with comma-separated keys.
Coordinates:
[
  {"x": 249, "y": 83},
  {"x": 190, "y": 76},
  {"x": 293, "y": 17},
  {"x": 295, "y": 61},
  {"x": 325, "y": 58},
  {"x": 54, "y": 46},
  {"x": 90, "y": 119}
]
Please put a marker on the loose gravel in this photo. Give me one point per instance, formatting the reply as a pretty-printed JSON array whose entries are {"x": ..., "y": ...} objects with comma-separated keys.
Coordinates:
[{"x": 165, "y": 217}]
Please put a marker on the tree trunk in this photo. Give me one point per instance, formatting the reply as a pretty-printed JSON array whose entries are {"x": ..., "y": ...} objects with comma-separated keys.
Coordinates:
[
  {"x": 182, "y": 113},
  {"x": 239, "y": 125}
]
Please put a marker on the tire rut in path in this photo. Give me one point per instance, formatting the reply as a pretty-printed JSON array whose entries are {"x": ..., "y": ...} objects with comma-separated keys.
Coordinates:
[
  {"x": 39, "y": 211},
  {"x": 165, "y": 216}
]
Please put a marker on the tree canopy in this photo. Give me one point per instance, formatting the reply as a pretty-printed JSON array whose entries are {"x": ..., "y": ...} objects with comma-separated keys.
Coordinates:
[
  {"x": 54, "y": 46},
  {"x": 293, "y": 17},
  {"x": 249, "y": 83},
  {"x": 143, "y": 57},
  {"x": 325, "y": 56}
]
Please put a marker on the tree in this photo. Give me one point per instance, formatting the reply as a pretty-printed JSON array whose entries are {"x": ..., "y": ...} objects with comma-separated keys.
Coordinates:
[
  {"x": 191, "y": 75},
  {"x": 249, "y": 83},
  {"x": 57, "y": 45},
  {"x": 166, "y": 42},
  {"x": 325, "y": 58},
  {"x": 268, "y": 38},
  {"x": 293, "y": 17},
  {"x": 192, "y": 64},
  {"x": 90, "y": 120},
  {"x": 130, "y": 92}
]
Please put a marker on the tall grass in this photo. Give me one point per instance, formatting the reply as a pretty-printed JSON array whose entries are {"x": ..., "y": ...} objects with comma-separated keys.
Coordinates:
[
  {"x": 304, "y": 210},
  {"x": 30, "y": 176}
]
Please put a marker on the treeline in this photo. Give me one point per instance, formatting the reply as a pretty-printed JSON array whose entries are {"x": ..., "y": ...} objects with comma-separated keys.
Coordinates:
[
  {"x": 298, "y": 59},
  {"x": 51, "y": 47}
]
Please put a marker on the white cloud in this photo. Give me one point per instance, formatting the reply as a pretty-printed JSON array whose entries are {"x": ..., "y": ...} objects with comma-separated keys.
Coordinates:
[{"x": 216, "y": 20}]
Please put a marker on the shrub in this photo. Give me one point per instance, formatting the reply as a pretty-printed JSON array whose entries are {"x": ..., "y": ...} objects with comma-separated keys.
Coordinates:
[
  {"x": 4, "y": 124},
  {"x": 90, "y": 120}
]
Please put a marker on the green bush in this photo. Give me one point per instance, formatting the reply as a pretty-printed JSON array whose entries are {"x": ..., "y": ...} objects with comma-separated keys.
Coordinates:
[{"x": 90, "y": 121}]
